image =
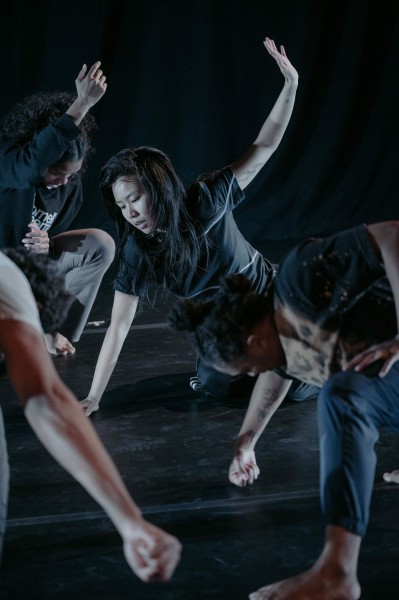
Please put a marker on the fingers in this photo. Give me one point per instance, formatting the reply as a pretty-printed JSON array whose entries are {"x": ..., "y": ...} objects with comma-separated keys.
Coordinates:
[
  {"x": 245, "y": 475},
  {"x": 164, "y": 557},
  {"x": 36, "y": 240},
  {"x": 89, "y": 406},
  {"x": 154, "y": 559},
  {"x": 94, "y": 74},
  {"x": 94, "y": 69},
  {"x": 387, "y": 351},
  {"x": 82, "y": 73}
]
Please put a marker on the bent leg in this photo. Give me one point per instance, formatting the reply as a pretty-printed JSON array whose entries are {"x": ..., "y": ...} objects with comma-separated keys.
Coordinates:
[
  {"x": 84, "y": 256},
  {"x": 352, "y": 407}
]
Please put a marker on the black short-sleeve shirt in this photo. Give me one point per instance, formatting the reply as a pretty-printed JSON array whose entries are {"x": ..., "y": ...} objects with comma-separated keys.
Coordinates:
[
  {"x": 210, "y": 200},
  {"x": 332, "y": 301}
]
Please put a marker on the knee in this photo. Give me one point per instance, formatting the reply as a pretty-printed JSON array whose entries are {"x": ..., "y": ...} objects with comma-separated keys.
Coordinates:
[
  {"x": 342, "y": 393},
  {"x": 103, "y": 245}
]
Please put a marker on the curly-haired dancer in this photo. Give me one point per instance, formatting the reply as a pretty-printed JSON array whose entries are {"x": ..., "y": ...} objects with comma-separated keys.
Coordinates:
[
  {"x": 44, "y": 141},
  {"x": 314, "y": 324},
  {"x": 32, "y": 301}
]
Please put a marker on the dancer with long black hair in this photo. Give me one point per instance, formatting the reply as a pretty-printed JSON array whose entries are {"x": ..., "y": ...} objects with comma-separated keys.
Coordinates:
[{"x": 182, "y": 241}]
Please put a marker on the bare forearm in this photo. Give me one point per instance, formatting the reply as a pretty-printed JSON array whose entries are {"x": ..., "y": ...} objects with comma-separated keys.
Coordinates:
[
  {"x": 78, "y": 110},
  {"x": 268, "y": 393},
  {"x": 107, "y": 359},
  {"x": 276, "y": 123},
  {"x": 70, "y": 438},
  {"x": 251, "y": 162},
  {"x": 123, "y": 313}
]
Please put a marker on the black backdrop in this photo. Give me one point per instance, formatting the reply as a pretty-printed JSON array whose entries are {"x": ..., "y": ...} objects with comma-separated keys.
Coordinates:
[{"x": 193, "y": 79}]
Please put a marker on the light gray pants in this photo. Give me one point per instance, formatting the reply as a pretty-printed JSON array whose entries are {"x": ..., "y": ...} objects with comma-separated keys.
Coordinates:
[
  {"x": 4, "y": 483},
  {"x": 83, "y": 256}
]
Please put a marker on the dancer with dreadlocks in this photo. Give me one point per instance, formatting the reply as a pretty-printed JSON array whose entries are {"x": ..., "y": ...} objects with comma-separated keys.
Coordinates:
[{"x": 44, "y": 141}]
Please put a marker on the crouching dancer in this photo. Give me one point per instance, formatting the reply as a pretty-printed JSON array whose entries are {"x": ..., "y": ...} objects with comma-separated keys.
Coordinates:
[
  {"x": 314, "y": 324},
  {"x": 44, "y": 142},
  {"x": 55, "y": 415}
]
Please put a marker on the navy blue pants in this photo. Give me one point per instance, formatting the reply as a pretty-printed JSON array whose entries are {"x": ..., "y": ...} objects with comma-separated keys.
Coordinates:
[{"x": 352, "y": 408}]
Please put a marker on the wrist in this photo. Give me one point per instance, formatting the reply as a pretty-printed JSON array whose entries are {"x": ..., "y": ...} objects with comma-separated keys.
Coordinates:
[
  {"x": 128, "y": 524},
  {"x": 291, "y": 83},
  {"x": 78, "y": 109},
  {"x": 245, "y": 441}
]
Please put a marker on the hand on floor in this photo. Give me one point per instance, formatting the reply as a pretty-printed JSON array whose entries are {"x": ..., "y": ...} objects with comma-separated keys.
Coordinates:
[
  {"x": 58, "y": 345},
  {"x": 89, "y": 405},
  {"x": 151, "y": 552},
  {"x": 243, "y": 469}
]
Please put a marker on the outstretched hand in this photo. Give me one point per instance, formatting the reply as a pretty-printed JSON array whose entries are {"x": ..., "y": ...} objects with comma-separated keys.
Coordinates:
[
  {"x": 287, "y": 69},
  {"x": 243, "y": 469},
  {"x": 151, "y": 552},
  {"x": 90, "y": 85},
  {"x": 387, "y": 351}
]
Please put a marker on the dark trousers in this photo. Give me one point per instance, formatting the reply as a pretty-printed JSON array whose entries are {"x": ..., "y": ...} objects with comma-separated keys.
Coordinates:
[{"x": 352, "y": 407}]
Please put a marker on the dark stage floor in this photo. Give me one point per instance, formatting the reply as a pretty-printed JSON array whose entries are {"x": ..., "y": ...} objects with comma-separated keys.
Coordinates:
[{"x": 173, "y": 449}]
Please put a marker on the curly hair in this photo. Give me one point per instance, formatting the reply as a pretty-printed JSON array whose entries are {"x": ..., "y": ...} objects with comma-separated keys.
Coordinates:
[
  {"x": 218, "y": 327},
  {"x": 179, "y": 245},
  {"x": 47, "y": 284},
  {"x": 35, "y": 112}
]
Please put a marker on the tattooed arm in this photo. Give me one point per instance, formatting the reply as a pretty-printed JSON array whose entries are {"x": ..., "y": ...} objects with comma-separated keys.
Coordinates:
[
  {"x": 268, "y": 393},
  {"x": 247, "y": 167}
]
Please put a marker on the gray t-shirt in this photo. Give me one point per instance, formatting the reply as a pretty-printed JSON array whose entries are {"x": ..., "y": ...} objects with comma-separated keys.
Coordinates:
[{"x": 16, "y": 299}]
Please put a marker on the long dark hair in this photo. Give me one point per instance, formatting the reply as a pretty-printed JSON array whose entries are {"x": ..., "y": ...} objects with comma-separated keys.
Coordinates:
[
  {"x": 172, "y": 253},
  {"x": 35, "y": 112},
  {"x": 219, "y": 327}
]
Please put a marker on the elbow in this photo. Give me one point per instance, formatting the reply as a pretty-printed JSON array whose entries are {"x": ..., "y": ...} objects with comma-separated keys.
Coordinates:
[{"x": 385, "y": 235}]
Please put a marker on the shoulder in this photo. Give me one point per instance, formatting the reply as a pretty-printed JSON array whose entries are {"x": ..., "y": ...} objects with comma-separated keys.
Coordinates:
[{"x": 218, "y": 190}]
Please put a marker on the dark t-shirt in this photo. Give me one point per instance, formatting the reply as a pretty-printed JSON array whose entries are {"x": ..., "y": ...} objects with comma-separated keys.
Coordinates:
[
  {"x": 332, "y": 300},
  {"x": 21, "y": 176},
  {"x": 52, "y": 205},
  {"x": 210, "y": 200}
]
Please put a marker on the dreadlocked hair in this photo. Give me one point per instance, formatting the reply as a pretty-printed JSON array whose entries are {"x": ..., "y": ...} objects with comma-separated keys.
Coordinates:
[
  {"x": 38, "y": 110},
  {"x": 173, "y": 251},
  {"x": 218, "y": 327},
  {"x": 47, "y": 284}
]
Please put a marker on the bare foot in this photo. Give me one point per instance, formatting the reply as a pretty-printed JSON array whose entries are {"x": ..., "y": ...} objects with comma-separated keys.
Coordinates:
[
  {"x": 59, "y": 345},
  {"x": 392, "y": 477},
  {"x": 311, "y": 585}
]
